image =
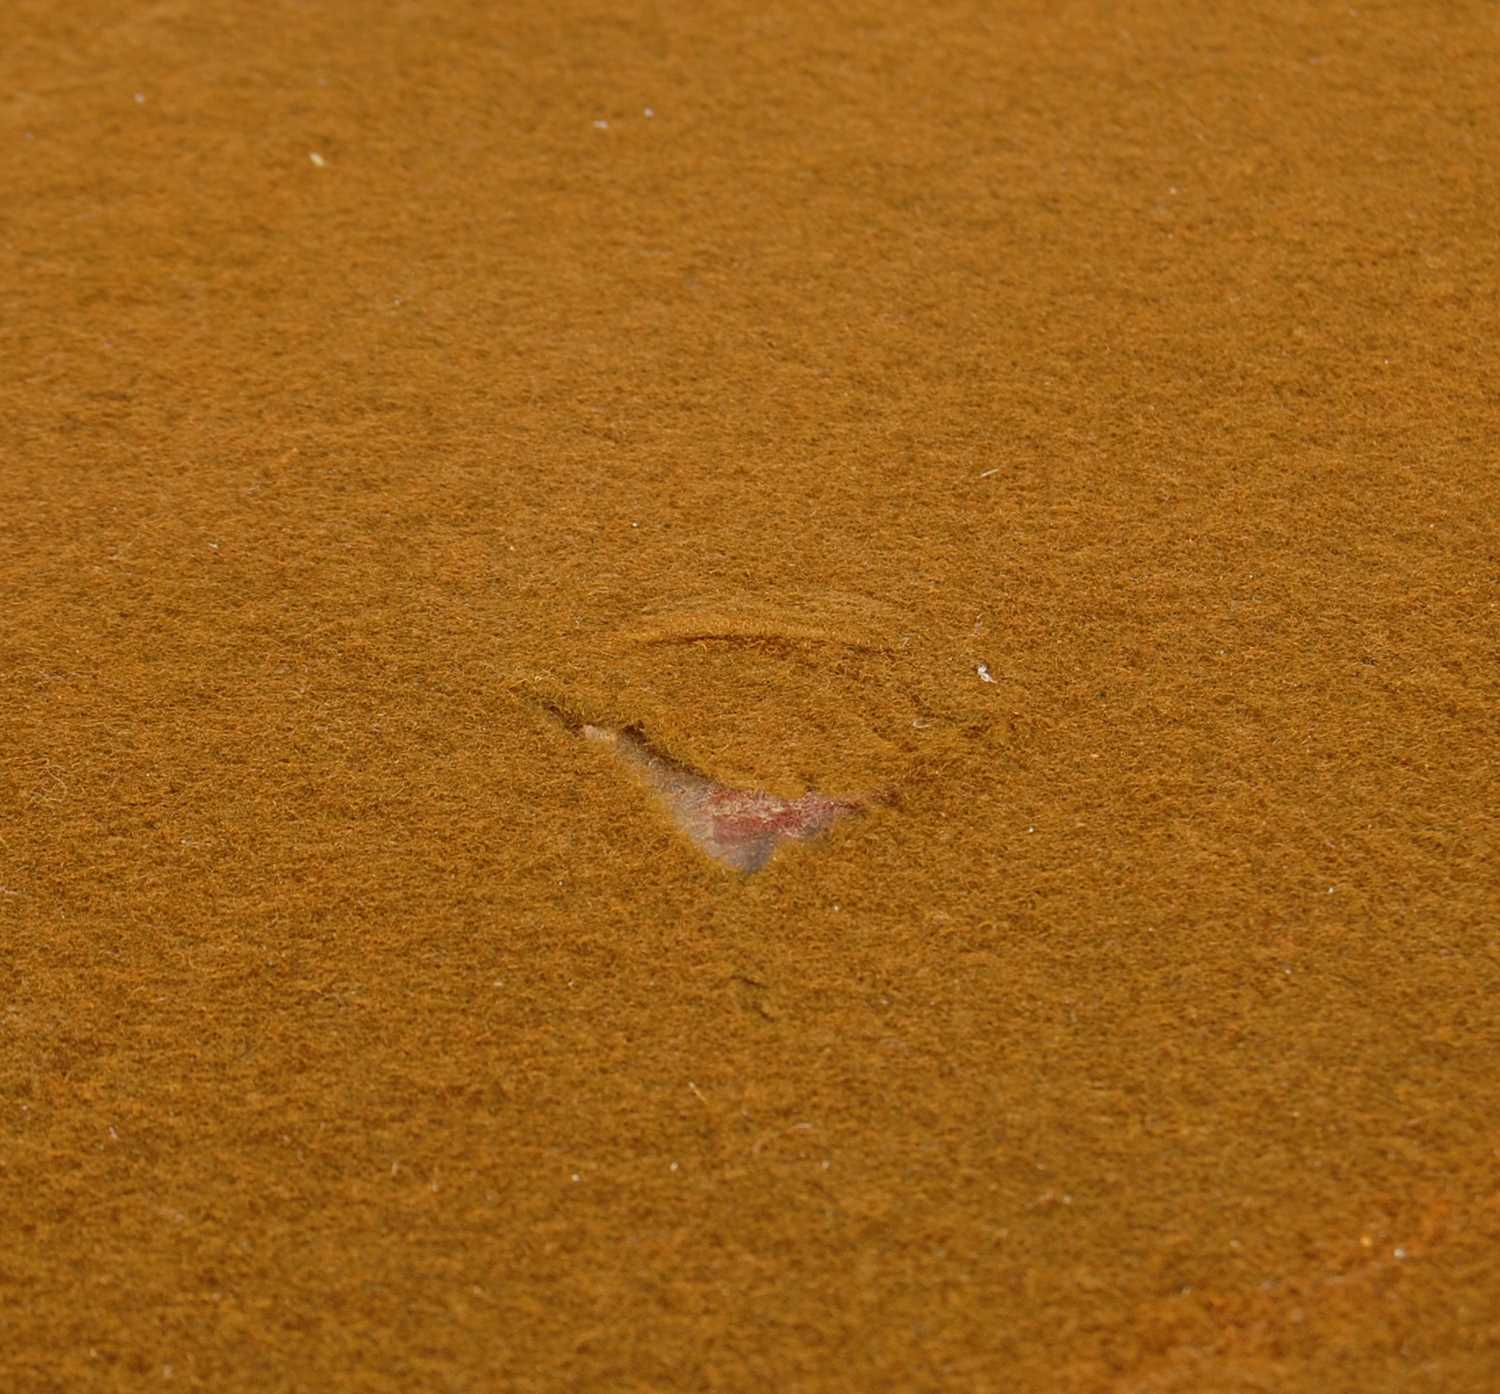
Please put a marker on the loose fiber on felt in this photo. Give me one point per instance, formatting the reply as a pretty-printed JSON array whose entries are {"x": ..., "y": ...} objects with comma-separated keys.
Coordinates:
[{"x": 1069, "y": 429}]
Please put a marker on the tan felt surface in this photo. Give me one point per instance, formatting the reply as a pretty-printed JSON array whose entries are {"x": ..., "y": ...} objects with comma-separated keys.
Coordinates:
[{"x": 1067, "y": 429}]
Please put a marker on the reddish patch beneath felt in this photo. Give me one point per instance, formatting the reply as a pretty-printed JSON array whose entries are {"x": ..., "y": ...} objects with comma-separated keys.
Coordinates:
[{"x": 740, "y": 817}]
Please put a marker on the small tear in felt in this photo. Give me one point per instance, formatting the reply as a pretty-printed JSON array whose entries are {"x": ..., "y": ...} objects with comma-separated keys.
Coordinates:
[{"x": 739, "y": 827}]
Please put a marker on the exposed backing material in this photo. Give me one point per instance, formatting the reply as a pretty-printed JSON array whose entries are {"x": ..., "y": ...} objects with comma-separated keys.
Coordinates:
[{"x": 741, "y": 828}]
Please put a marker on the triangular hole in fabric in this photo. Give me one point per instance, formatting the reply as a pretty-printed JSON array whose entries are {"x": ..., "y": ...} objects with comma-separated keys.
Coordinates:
[{"x": 740, "y": 828}]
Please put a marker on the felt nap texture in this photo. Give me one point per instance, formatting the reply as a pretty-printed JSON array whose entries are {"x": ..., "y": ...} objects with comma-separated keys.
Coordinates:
[{"x": 1067, "y": 431}]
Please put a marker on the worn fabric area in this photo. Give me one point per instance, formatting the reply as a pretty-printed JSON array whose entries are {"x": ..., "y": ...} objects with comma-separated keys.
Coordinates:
[{"x": 1060, "y": 437}]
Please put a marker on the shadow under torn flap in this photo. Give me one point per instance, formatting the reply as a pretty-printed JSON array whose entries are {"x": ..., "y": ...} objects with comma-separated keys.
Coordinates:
[{"x": 754, "y": 721}]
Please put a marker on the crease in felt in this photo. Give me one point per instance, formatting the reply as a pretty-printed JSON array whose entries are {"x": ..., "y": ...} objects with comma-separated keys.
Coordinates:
[{"x": 823, "y": 617}]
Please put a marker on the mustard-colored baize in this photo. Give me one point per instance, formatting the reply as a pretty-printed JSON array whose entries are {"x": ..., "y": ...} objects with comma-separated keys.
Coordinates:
[{"x": 1058, "y": 438}]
